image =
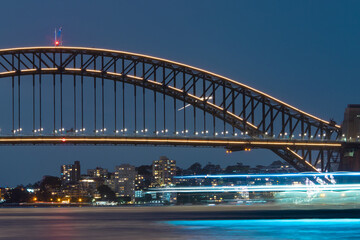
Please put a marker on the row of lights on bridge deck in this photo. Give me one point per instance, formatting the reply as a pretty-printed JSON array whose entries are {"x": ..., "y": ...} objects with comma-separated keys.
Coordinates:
[
  {"x": 198, "y": 133},
  {"x": 164, "y": 131},
  {"x": 142, "y": 131},
  {"x": 300, "y": 135},
  {"x": 202, "y": 132},
  {"x": 40, "y": 130},
  {"x": 17, "y": 130},
  {"x": 102, "y": 130},
  {"x": 234, "y": 134},
  {"x": 121, "y": 130},
  {"x": 344, "y": 136},
  {"x": 350, "y": 138},
  {"x": 61, "y": 130}
]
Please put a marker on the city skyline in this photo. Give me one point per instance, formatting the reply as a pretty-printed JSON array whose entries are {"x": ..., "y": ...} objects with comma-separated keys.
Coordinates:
[
  {"x": 139, "y": 185},
  {"x": 300, "y": 67},
  {"x": 70, "y": 171}
]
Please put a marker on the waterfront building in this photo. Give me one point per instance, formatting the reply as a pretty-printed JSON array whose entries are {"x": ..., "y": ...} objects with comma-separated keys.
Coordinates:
[
  {"x": 163, "y": 171},
  {"x": 124, "y": 176},
  {"x": 73, "y": 193},
  {"x": 88, "y": 185},
  {"x": 70, "y": 173}
]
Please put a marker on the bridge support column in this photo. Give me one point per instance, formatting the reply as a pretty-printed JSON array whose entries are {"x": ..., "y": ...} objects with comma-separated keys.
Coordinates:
[{"x": 350, "y": 160}]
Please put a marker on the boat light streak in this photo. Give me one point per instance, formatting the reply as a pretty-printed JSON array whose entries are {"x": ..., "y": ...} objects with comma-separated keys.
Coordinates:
[
  {"x": 261, "y": 188},
  {"x": 315, "y": 174}
]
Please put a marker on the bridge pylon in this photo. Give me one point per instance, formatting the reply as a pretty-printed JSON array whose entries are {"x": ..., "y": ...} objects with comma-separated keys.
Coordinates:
[{"x": 350, "y": 159}]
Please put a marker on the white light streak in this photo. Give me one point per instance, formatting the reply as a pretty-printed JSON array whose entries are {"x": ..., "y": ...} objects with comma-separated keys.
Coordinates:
[{"x": 260, "y": 188}]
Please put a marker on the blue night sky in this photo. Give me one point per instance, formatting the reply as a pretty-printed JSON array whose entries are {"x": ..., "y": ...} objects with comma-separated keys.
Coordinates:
[{"x": 305, "y": 53}]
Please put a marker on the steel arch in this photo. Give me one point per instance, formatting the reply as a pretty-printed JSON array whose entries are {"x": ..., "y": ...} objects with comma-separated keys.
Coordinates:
[{"x": 253, "y": 112}]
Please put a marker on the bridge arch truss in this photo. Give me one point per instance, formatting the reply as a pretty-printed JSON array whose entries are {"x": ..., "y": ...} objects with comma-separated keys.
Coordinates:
[{"x": 74, "y": 91}]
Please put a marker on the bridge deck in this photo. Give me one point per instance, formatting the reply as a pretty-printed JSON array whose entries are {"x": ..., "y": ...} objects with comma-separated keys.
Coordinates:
[{"x": 231, "y": 143}]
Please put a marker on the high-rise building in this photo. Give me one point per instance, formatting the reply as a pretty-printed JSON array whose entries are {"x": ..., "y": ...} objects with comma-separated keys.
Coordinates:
[
  {"x": 70, "y": 173},
  {"x": 139, "y": 179},
  {"x": 98, "y": 172},
  {"x": 125, "y": 181},
  {"x": 163, "y": 171}
]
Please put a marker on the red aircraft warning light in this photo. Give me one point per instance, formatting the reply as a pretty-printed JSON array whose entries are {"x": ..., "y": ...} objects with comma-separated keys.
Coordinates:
[{"x": 63, "y": 139}]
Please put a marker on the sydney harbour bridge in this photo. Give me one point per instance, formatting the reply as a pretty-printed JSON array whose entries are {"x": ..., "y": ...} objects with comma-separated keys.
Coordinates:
[{"x": 75, "y": 95}]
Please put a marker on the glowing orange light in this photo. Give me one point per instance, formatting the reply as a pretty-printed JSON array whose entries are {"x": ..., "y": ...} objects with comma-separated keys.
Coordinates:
[{"x": 63, "y": 140}]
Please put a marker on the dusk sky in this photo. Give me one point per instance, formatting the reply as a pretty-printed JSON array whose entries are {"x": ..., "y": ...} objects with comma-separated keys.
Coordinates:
[{"x": 305, "y": 53}]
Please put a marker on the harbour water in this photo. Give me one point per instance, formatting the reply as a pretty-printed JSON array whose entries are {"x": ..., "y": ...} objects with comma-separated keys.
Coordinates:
[
  {"x": 177, "y": 223},
  {"x": 274, "y": 229}
]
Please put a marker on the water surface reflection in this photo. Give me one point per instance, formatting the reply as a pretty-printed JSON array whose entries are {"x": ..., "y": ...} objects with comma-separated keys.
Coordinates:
[
  {"x": 196, "y": 222},
  {"x": 295, "y": 229}
]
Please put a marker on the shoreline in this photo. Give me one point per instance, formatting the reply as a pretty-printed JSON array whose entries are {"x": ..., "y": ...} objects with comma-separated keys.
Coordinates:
[{"x": 168, "y": 213}]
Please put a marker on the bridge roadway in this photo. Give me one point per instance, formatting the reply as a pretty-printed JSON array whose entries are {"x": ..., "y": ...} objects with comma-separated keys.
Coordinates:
[{"x": 228, "y": 143}]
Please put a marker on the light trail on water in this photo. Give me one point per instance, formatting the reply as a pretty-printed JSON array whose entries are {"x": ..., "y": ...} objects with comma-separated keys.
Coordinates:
[
  {"x": 327, "y": 174},
  {"x": 259, "y": 188}
]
